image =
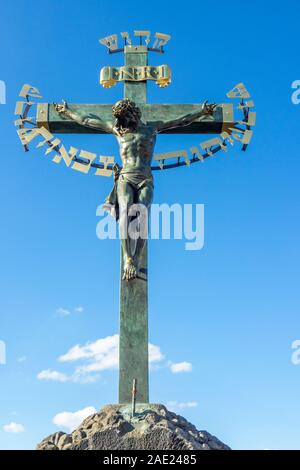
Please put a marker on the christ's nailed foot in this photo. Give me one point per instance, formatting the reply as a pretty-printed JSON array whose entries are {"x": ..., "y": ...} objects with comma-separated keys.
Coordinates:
[{"x": 129, "y": 270}]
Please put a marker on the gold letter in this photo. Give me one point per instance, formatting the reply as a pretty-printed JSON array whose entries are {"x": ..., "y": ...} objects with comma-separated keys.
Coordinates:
[
  {"x": 126, "y": 37},
  {"x": 110, "y": 41},
  {"x": 84, "y": 167},
  {"x": 239, "y": 91},
  {"x": 145, "y": 34},
  {"x": 27, "y": 135},
  {"x": 28, "y": 90},
  {"x": 67, "y": 157},
  {"x": 195, "y": 152},
  {"x": 104, "y": 171},
  {"x": 208, "y": 144},
  {"x": 166, "y": 155},
  {"x": 20, "y": 105},
  {"x": 161, "y": 40}
]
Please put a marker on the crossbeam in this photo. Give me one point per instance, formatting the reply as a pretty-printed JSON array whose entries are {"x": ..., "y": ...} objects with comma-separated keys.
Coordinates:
[{"x": 222, "y": 119}]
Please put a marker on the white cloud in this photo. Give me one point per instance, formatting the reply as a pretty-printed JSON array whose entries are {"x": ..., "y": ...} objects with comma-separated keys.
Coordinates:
[
  {"x": 100, "y": 355},
  {"x": 53, "y": 375},
  {"x": 177, "y": 367},
  {"x": 103, "y": 350},
  {"x": 84, "y": 378},
  {"x": 155, "y": 354},
  {"x": 175, "y": 405},
  {"x": 63, "y": 312},
  {"x": 21, "y": 359},
  {"x": 71, "y": 420},
  {"x": 14, "y": 428},
  {"x": 79, "y": 309},
  {"x": 77, "y": 376},
  {"x": 94, "y": 357}
]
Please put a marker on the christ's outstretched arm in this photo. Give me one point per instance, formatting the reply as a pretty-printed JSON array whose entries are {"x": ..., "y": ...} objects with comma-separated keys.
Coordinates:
[
  {"x": 205, "y": 110},
  {"x": 87, "y": 121}
]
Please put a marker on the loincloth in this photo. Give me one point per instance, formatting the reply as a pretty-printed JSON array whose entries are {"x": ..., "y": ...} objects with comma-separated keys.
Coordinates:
[{"x": 137, "y": 180}]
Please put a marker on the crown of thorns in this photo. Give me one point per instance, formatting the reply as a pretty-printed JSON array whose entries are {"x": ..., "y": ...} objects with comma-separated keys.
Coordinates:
[{"x": 126, "y": 105}]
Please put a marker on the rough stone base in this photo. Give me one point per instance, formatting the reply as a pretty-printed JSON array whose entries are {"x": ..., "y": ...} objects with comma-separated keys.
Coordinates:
[{"x": 152, "y": 428}]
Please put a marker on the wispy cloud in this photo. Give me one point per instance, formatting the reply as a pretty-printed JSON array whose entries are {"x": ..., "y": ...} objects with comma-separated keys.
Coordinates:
[
  {"x": 49, "y": 374},
  {"x": 21, "y": 359},
  {"x": 79, "y": 309},
  {"x": 178, "y": 367},
  {"x": 70, "y": 420},
  {"x": 63, "y": 312},
  {"x": 76, "y": 376},
  {"x": 14, "y": 428},
  {"x": 175, "y": 405}
]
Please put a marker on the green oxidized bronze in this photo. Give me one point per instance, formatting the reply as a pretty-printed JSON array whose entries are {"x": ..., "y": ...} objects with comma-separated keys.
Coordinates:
[{"x": 134, "y": 181}]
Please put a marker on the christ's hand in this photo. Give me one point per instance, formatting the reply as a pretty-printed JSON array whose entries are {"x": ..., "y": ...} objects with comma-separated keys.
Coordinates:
[
  {"x": 208, "y": 109},
  {"x": 61, "y": 108}
]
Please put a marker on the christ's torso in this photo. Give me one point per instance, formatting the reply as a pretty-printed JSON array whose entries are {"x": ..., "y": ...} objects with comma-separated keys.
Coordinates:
[{"x": 136, "y": 149}]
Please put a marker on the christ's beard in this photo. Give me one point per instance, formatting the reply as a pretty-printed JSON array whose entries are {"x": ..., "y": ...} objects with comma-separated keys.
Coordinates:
[{"x": 125, "y": 124}]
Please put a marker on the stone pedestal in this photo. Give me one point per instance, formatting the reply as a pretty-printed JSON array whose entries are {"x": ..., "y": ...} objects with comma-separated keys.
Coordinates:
[{"x": 152, "y": 428}]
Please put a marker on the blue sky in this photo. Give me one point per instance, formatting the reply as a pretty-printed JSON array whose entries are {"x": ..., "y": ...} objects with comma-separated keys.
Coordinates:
[{"x": 231, "y": 309}]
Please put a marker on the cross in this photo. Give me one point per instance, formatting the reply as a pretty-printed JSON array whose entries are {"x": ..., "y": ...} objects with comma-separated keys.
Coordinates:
[{"x": 161, "y": 118}]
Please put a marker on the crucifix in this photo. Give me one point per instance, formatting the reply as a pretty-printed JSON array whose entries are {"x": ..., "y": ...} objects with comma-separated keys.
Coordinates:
[{"x": 135, "y": 124}]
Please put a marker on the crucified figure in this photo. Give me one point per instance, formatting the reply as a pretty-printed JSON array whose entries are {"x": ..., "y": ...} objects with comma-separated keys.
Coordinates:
[{"x": 134, "y": 180}]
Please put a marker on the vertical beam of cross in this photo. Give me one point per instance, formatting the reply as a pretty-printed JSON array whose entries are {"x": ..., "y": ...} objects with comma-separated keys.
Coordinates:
[
  {"x": 133, "y": 348},
  {"x": 136, "y": 56}
]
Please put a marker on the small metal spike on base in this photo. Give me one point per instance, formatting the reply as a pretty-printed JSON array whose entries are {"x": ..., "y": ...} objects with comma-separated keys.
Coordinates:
[{"x": 133, "y": 397}]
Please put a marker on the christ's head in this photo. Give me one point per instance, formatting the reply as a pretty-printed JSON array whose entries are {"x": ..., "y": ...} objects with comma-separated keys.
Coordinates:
[{"x": 127, "y": 115}]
